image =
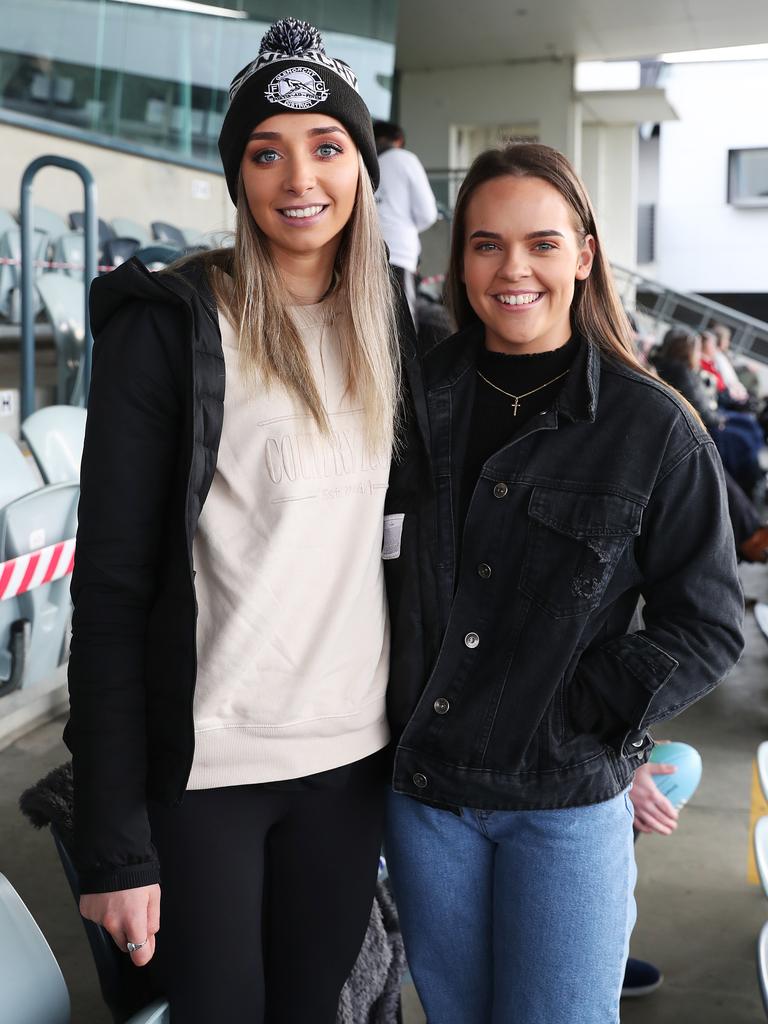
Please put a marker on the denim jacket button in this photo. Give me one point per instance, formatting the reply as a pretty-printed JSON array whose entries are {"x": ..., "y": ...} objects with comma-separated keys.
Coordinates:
[
  {"x": 442, "y": 706},
  {"x": 500, "y": 490},
  {"x": 484, "y": 571},
  {"x": 420, "y": 781},
  {"x": 471, "y": 640}
]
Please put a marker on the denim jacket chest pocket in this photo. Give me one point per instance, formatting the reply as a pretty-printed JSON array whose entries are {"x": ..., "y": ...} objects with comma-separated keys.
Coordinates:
[{"x": 574, "y": 543}]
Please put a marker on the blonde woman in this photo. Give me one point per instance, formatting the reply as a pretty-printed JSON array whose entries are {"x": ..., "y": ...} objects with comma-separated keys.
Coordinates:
[{"x": 230, "y": 647}]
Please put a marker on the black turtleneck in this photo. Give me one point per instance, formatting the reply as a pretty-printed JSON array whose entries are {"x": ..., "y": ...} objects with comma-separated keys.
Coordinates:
[{"x": 493, "y": 418}]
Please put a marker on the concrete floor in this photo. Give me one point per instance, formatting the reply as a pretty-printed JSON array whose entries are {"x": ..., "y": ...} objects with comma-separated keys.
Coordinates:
[{"x": 698, "y": 916}]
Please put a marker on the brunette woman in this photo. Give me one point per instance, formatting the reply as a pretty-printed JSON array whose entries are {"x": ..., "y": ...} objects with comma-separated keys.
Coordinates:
[
  {"x": 568, "y": 483},
  {"x": 230, "y": 650}
]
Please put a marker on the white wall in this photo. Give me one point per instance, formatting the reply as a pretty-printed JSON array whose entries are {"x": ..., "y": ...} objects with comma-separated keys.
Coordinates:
[
  {"x": 536, "y": 93},
  {"x": 128, "y": 186},
  {"x": 609, "y": 170},
  {"x": 703, "y": 244}
]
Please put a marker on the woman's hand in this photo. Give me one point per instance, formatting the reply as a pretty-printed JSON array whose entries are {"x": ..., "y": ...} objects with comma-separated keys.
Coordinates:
[
  {"x": 653, "y": 811},
  {"x": 129, "y": 915}
]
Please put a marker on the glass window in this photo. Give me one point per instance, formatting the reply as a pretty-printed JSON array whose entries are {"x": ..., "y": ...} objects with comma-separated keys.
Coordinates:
[
  {"x": 156, "y": 78},
  {"x": 748, "y": 177}
]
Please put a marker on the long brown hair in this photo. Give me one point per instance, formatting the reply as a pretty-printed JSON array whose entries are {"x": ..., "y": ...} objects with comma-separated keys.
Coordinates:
[{"x": 596, "y": 310}]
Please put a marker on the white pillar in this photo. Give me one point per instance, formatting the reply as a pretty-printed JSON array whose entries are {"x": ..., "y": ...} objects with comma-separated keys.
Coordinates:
[{"x": 609, "y": 169}]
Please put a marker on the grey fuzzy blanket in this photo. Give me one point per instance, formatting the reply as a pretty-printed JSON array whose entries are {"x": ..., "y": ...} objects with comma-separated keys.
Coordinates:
[{"x": 372, "y": 992}]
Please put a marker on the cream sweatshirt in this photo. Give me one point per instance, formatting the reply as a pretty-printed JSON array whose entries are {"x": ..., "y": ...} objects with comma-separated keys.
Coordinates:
[{"x": 292, "y": 630}]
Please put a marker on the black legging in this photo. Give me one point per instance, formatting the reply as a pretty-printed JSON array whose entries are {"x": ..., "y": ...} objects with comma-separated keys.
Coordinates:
[{"x": 265, "y": 898}]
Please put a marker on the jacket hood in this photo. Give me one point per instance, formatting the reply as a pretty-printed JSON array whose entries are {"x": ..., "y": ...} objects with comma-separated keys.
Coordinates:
[{"x": 132, "y": 281}]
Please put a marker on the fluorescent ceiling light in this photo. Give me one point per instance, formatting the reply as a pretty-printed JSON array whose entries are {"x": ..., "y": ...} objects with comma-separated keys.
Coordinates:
[
  {"x": 757, "y": 51},
  {"x": 189, "y": 6}
]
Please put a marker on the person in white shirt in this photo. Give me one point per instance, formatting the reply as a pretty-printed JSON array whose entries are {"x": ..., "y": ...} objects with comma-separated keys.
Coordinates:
[
  {"x": 724, "y": 366},
  {"x": 405, "y": 202}
]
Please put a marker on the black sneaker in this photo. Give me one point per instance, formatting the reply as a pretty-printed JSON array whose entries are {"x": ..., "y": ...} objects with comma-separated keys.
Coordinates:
[{"x": 640, "y": 978}]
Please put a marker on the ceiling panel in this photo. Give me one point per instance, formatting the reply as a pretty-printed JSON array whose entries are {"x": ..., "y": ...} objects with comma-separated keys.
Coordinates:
[{"x": 451, "y": 33}]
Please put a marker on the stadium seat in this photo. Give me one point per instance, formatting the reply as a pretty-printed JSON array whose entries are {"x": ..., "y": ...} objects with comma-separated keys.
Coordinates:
[
  {"x": 762, "y": 965},
  {"x": 762, "y": 768},
  {"x": 155, "y": 256},
  {"x": 169, "y": 234},
  {"x": 761, "y": 851},
  {"x": 63, "y": 299},
  {"x": 760, "y": 612},
  {"x": 10, "y": 274},
  {"x": 106, "y": 231},
  {"x": 7, "y": 221},
  {"x": 34, "y": 626},
  {"x": 118, "y": 250},
  {"x": 55, "y": 437},
  {"x": 69, "y": 248},
  {"x": 32, "y": 987},
  {"x": 125, "y": 228},
  {"x": 16, "y": 474},
  {"x": 49, "y": 222}
]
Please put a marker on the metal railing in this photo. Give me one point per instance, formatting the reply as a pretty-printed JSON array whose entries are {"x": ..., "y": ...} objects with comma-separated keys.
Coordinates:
[
  {"x": 90, "y": 228},
  {"x": 671, "y": 308}
]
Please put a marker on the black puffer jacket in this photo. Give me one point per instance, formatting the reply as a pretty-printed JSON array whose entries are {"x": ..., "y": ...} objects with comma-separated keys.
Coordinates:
[{"x": 154, "y": 424}]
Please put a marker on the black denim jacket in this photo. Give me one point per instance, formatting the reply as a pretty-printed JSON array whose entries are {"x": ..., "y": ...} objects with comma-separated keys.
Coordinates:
[{"x": 515, "y": 682}]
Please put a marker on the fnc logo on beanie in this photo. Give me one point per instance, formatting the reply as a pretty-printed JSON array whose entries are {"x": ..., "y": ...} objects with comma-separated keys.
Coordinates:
[{"x": 297, "y": 88}]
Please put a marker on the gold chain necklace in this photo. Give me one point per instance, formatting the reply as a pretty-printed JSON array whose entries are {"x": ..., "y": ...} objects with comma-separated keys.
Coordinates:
[{"x": 517, "y": 398}]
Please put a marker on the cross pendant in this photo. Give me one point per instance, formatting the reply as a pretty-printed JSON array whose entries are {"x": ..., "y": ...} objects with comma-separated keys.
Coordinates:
[{"x": 515, "y": 406}]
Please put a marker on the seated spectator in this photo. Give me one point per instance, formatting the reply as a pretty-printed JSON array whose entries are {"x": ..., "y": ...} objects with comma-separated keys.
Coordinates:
[
  {"x": 677, "y": 362},
  {"x": 707, "y": 363},
  {"x": 736, "y": 435},
  {"x": 734, "y": 386}
]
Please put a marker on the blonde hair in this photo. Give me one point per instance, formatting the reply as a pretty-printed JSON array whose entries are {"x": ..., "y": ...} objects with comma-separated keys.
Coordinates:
[{"x": 250, "y": 290}]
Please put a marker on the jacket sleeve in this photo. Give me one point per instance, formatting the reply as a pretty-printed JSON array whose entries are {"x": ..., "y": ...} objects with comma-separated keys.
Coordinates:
[
  {"x": 693, "y": 614},
  {"x": 131, "y": 451}
]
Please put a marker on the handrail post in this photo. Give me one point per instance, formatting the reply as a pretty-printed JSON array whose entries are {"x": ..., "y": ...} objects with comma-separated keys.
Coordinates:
[{"x": 90, "y": 228}]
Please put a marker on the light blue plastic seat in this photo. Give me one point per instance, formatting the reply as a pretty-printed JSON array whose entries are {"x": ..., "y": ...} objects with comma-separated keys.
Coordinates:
[
  {"x": 762, "y": 965},
  {"x": 10, "y": 273},
  {"x": 125, "y": 228},
  {"x": 761, "y": 851},
  {"x": 762, "y": 768},
  {"x": 69, "y": 248},
  {"x": 17, "y": 478},
  {"x": 55, "y": 436},
  {"x": 7, "y": 220},
  {"x": 16, "y": 475},
  {"x": 51, "y": 223},
  {"x": 63, "y": 300},
  {"x": 32, "y": 987},
  {"x": 34, "y": 626}
]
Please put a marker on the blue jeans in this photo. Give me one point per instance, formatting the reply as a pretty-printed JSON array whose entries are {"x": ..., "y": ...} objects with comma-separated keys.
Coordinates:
[{"x": 514, "y": 917}]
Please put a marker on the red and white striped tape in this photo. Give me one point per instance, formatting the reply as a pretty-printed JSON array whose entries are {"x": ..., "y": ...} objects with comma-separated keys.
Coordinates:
[
  {"x": 36, "y": 568},
  {"x": 12, "y": 261}
]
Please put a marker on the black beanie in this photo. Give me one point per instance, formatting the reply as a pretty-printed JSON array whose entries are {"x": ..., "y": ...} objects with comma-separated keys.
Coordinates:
[{"x": 293, "y": 73}]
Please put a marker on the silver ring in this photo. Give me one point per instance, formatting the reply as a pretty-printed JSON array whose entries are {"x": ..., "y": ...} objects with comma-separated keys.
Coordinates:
[{"x": 133, "y": 947}]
